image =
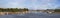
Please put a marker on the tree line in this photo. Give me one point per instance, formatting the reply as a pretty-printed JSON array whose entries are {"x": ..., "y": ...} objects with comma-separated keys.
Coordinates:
[
  {"x": 57, "y": 10},
  {"x": 13, "y": 10}
]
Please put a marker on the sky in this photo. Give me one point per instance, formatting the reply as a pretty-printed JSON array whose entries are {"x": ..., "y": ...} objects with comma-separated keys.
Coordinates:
[{"x": 30, "y": 4}]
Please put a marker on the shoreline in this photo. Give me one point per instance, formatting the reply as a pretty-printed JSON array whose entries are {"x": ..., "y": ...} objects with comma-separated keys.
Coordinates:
[
  {"x": 10, "y": 13},
  {"x": 7, "y": 13}
]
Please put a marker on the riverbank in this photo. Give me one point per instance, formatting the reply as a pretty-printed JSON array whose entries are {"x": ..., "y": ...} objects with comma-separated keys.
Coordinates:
[{"x": 11, "y": 13}]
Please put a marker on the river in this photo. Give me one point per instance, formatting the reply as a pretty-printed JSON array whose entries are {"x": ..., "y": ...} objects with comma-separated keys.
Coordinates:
[{"x": 32, "y": 14}]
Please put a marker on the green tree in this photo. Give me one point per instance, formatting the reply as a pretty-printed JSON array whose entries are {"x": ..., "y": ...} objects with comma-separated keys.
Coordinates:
[{"x": 57, "y": 10}]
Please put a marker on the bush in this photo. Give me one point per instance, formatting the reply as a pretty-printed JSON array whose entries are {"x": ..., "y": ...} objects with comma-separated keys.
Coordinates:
[
  {"x": 57, "y": 10},
  {"x": 12, "y": 10}
]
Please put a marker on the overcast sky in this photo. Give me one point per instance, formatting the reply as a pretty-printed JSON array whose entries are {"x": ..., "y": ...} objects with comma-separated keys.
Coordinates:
[{"x": 31, "y": 4}]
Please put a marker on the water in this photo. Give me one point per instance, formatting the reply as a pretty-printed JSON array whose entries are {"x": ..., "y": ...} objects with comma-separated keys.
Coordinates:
[{"x": 32, "y": 14}]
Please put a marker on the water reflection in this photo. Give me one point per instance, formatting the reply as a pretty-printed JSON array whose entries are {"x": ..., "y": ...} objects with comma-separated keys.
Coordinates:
[
  {"x": 11, "y": 13},
  {"x": 32, "y": 14}
]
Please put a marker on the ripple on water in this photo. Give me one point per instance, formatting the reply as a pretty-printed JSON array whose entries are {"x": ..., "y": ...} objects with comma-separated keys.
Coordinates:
[{"x": 32, "y": 15}]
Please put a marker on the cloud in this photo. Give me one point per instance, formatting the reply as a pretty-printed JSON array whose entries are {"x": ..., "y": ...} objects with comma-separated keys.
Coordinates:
[
  {"x": 31, "y": 4},
  {"x": 13, "y": 4}
]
